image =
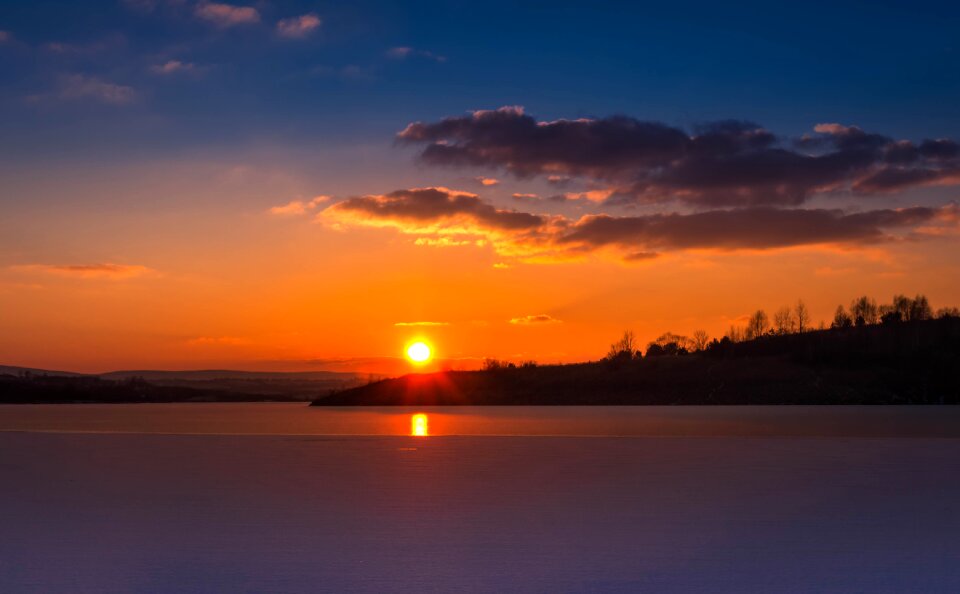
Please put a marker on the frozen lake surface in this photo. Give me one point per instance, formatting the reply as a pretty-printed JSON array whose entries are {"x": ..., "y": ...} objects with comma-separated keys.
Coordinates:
[
  {"x": 105, "y": 499},
  {"x": 607, "y": 421}
]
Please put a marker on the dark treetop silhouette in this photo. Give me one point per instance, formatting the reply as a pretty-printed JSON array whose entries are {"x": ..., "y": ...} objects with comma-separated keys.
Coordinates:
[{"x": 900, "y": 353}]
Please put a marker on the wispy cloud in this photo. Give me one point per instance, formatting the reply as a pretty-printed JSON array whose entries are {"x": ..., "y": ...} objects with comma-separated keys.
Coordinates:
[
  {"x": 404, "y": 324},
  {"x": 403, "y": 53},
  {"x": 109, "y": 43},
  {"x": 486, "y": 181},
  {"x": 534, "y": 320},
  {"x": 74, "y": 87},
  {"x": 87, "y": 271},
  {"x": 175, "y": 67},
  {"x": 298, "y": 207},
  {"x": 299, "y": 27},
  {"x": 227, "y": 15}
]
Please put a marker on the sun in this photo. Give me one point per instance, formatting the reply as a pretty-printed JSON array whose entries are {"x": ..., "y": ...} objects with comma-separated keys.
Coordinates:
[
  {"x": 418, "y": 425},
  {"x": 419, "y": 352}
]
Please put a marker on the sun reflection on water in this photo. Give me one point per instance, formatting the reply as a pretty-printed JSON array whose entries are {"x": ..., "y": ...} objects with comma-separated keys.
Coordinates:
[{"x": 418, "y": 425}]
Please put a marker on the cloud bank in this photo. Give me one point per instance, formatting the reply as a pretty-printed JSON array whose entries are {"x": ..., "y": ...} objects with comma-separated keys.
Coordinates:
[
  {"x": 441, "y": 216},
  {"x": 726, "y": 163}
]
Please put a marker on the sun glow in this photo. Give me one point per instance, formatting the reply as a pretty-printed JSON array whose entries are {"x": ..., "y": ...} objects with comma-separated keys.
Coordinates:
[
  {"x": 419, "y": 352},
  {"x": 418, "y": 425}
]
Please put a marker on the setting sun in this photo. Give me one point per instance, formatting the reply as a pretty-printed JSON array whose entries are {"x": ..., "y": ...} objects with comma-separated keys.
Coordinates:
[
  {"x": 419, "y": 352},
  {"x": 418, "y": 425}
]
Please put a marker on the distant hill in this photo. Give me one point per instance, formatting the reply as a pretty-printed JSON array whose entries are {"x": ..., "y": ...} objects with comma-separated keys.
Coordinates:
[
  {"x": 11, "y": 370},
  {"x": 215, "y": 374},
  {"x": 24, "y": 384},
  {"x": 903, "y": 363}
]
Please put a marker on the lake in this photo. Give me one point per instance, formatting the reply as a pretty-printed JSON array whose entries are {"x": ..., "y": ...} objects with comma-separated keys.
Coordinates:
[
  {"x": 608, "y": 421},
  {"x": 286, "y": 498}
]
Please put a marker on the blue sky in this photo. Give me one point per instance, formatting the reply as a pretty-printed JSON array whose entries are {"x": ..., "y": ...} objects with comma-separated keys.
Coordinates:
[{"x": 890, "y": 67}]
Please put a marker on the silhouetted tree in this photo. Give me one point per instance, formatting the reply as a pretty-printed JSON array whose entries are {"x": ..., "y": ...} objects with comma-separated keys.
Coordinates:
[
  {"x": 948, "y": 312},
  {"x": 863, "y": 311},
  {"x": 802, "y": 315},
  {"x": 699, "y": 340},
  {"x": 888, "y": 315},
  {"x": 841, "y": 319},
  {"x": 623, "y": 349},
  {"x": 654, "y": 350},
  {"x": 904, "y": 309},
  {"x": 496, "y": 364},
  {"x": 920, "y": 308},
  {"x": 669, "y": 343},
  {"x": 735, "y": 334},
  {"x": 901, "y": 305},
  {"x": 758, "y": 325},
  {"x": 783, "y": 321},
  {"x": 680, "y": 342}
]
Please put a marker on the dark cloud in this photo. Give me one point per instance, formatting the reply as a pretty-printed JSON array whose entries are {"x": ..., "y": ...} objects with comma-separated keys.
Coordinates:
[
  {"x": 750, "y": 228},
  {"x": 943, "y": 148},
  {"x": 433, "y": 213},
  {"x": 430, "y": 205},
  {"x": 509, "y": 138},
  {"x": 727, "y": 163},
  {"x": 893, "y": 179}
]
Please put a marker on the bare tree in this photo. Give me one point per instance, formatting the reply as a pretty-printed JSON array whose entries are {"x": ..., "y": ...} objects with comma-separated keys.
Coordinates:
[
  {"x": 948, "y": 312},
  {"x": 783, "y": 320},
  {"x": 699, "y": 340},
  {"x": 841, "y": 319},
  {"x": 864, "y": 311},
  {"x": 901, "y": 307},
  {"x": 736, "y": 334},
  {"x": 802, "y": 315},
  {"x": 920, "y": 308},
  {"x": 670, "y": 338},
  {"x": 758, "y": 324},
  {"x": 623, "y": 348}
]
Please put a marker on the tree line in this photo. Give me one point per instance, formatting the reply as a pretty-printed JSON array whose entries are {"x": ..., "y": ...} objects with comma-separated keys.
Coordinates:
[{"x": 795, "y": 319}]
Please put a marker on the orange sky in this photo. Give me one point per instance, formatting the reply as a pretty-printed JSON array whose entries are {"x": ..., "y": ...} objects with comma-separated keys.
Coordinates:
[
  {"x": 188, "y": 184},
  {"x": 217, "y": 280}
]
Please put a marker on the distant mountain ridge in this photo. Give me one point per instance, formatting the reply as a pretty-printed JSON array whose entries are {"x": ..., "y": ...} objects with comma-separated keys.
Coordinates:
[
  {"x": 32, "y": 385},
  {"x": 14, "y": 370},
  {"x": 189, "y": 374}
]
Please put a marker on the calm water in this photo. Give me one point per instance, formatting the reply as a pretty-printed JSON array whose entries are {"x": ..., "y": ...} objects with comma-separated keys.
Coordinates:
[
  {"x": 298, "y": 419},
  {"x": 282, "y": 498}
]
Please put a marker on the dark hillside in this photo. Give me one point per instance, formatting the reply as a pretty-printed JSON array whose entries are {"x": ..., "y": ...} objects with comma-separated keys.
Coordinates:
[{"x": 907, "y": 363}]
